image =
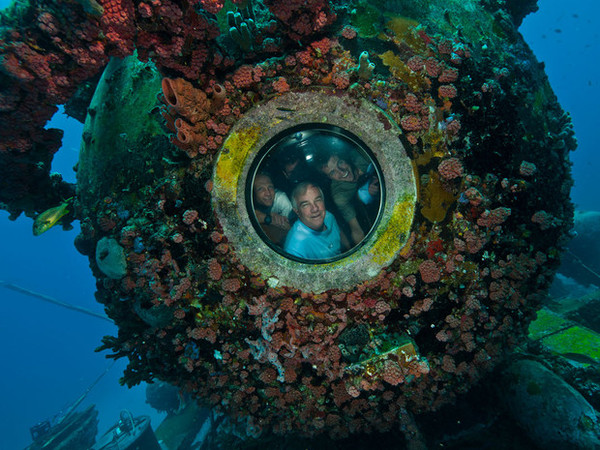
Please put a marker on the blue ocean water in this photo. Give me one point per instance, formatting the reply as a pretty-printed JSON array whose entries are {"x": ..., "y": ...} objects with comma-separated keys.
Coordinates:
[{"x": 48, "y": 357}]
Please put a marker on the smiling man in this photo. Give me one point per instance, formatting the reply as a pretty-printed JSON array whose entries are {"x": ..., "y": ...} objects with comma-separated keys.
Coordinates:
[
  {"x": 271, "y": 207},
  {"x": 354, "y": 188},
  {"x": 315, "y": 235}
]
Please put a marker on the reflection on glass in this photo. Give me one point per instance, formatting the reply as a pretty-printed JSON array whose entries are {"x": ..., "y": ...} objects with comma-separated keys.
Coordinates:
[{"x": 316, "y": 193}]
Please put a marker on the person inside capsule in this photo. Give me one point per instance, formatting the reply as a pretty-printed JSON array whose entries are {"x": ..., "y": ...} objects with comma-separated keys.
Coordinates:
[
  {"x": 316, "y": 234},
  {"x": 272, "y": 208},
  {"x": 354, "y": 188}
]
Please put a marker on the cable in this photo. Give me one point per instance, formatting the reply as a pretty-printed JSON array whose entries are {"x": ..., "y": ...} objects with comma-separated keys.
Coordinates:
[
  {"x": 581, "y": 263},
  {"x": 48, "y": 299}
]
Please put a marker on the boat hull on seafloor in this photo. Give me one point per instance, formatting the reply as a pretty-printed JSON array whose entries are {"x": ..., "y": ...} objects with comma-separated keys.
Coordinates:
[{"x": 129, "y": 433}]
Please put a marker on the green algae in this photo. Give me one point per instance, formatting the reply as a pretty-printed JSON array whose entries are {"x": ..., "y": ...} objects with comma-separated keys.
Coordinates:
[
  {"x": 123, "y": 145},
  {"x": 366, "y": 19},
  {"x": 575, "y": 340},
  {"x": 546, "y": 323}
]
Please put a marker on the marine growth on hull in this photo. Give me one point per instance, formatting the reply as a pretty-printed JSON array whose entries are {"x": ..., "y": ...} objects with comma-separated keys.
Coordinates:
[{"x": 316, "y": 216}]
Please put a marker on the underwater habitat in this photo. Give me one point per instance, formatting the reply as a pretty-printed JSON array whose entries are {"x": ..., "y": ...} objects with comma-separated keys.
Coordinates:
[{"x": 301, "y": 224}]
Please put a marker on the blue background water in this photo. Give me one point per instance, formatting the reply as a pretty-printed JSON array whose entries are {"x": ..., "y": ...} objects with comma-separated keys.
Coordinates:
[{"x": 48, "y": 357}]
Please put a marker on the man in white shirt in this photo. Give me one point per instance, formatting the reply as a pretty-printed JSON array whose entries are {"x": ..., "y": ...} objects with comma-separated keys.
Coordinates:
[{"x": 271, "y": 207}]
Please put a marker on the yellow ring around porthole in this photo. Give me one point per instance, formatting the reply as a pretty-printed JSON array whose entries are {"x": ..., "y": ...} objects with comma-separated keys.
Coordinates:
[{"x": 243, "y": 145}]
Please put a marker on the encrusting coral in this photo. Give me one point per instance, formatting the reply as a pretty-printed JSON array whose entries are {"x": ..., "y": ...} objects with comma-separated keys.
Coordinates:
[{"x": 279, "y": 358}]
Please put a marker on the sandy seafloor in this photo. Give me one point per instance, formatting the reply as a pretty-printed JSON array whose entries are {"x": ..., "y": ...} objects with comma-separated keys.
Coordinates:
[{"x": 48, "y": 358}]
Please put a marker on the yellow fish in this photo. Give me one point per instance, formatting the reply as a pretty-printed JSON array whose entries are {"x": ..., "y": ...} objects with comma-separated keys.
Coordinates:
[{"x": 50, "y": 217}]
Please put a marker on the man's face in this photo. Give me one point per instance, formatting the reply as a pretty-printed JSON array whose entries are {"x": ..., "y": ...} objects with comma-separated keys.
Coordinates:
[
  {"x": 289, "y": 167},
  {"x": 339, "y": 170},
  {"x": 264, "y": 191},
  {"x": 311, "y": 208}
]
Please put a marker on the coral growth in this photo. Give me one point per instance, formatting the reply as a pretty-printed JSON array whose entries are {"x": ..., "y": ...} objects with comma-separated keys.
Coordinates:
[{"x": 278, "y": 358}]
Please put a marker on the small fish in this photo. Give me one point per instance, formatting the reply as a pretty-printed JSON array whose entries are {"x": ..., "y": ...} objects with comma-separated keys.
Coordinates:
[
  {"x": 281, "y": 108},
  {"x": 50, "y": 217}
]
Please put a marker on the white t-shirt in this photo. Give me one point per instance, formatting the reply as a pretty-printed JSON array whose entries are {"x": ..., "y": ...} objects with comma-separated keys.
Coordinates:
[{"x": 281, "y": 204}]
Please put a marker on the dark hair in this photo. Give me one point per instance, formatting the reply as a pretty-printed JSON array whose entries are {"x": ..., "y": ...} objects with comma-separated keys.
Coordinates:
[
  {"x": 322, "y": 158},
  {"x": 288, "y": 153}
]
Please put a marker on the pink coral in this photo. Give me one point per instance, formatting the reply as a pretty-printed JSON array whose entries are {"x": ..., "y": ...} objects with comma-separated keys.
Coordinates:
[
  {"x": 474, "y": 196},
  {"x": 430, "y": 272},
  {"x": 281, "y": 85},
  {"x": 215, "y": 271},
  {"x": 453, "y": 127},
  {"x": 212, "y": 6},
  {"x": 433, "y": 67},
  {"x": 322, "y": 46},
  {"x": 349, "y": 32},
  {"x": 415, "y": 63},
  {"x": 411, "y": 123},
  {"x": 190, "y": 216},
  {"x": 341, "y": 80},
  {"x": 243, "y": 76},
  {"x": 447, "y": 91},
  {"x": 451, "y": 168},
  {"x": 544, "y": 219},
  {"x": 392, "y": 373},
  {"x": 448, "y": 75},
  {"x": 494, "y": 217},
  {"x": 527, "y": 168},
  {"x": 412, "y": 104}
]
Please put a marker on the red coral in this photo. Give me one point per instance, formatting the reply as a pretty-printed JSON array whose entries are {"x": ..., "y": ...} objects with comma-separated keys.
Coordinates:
[
  {"x": 433, "y": 67},
  {"x": 447, "y": 91},
  {"x": 527, "y": 169},
  {"x": 243, "y": 77},
  {"x": 212, "y": 6},
  {"x": 430, "y": 272},
  {"x": 434, "y": 247},
  {"x": 544, "y": 219},
  {"x": 411, "y": 123},
  {"x": 302, "y": 18},
  {"x": 451, "y": 168},
  {"x": 119, "y": 27},
  {"x": 494, "y": 217},
  {"x": 322, "y": 46},
  {"x": 448, "y": 75},
  {"x": 215, "y": 271},
  {"x": 416, "y": 63},
  {"x": 348, "y": 32},
  {"x": 341, "y": 80},
  {"x": 281, "y": 85},
  {"x": 392, "y": 373}
]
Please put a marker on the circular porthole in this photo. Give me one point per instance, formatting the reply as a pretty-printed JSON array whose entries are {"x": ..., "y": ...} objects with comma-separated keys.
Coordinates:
[{"x": 315, "y": 191}]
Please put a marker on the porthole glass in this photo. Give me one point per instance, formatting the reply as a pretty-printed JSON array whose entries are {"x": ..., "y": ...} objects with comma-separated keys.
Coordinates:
[{"x": 315, "y": 193}]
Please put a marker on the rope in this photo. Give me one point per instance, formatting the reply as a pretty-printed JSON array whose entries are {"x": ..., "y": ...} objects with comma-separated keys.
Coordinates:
[
  {"x": 580, "y": 262},
  {"x": 52, "y": 300}
]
